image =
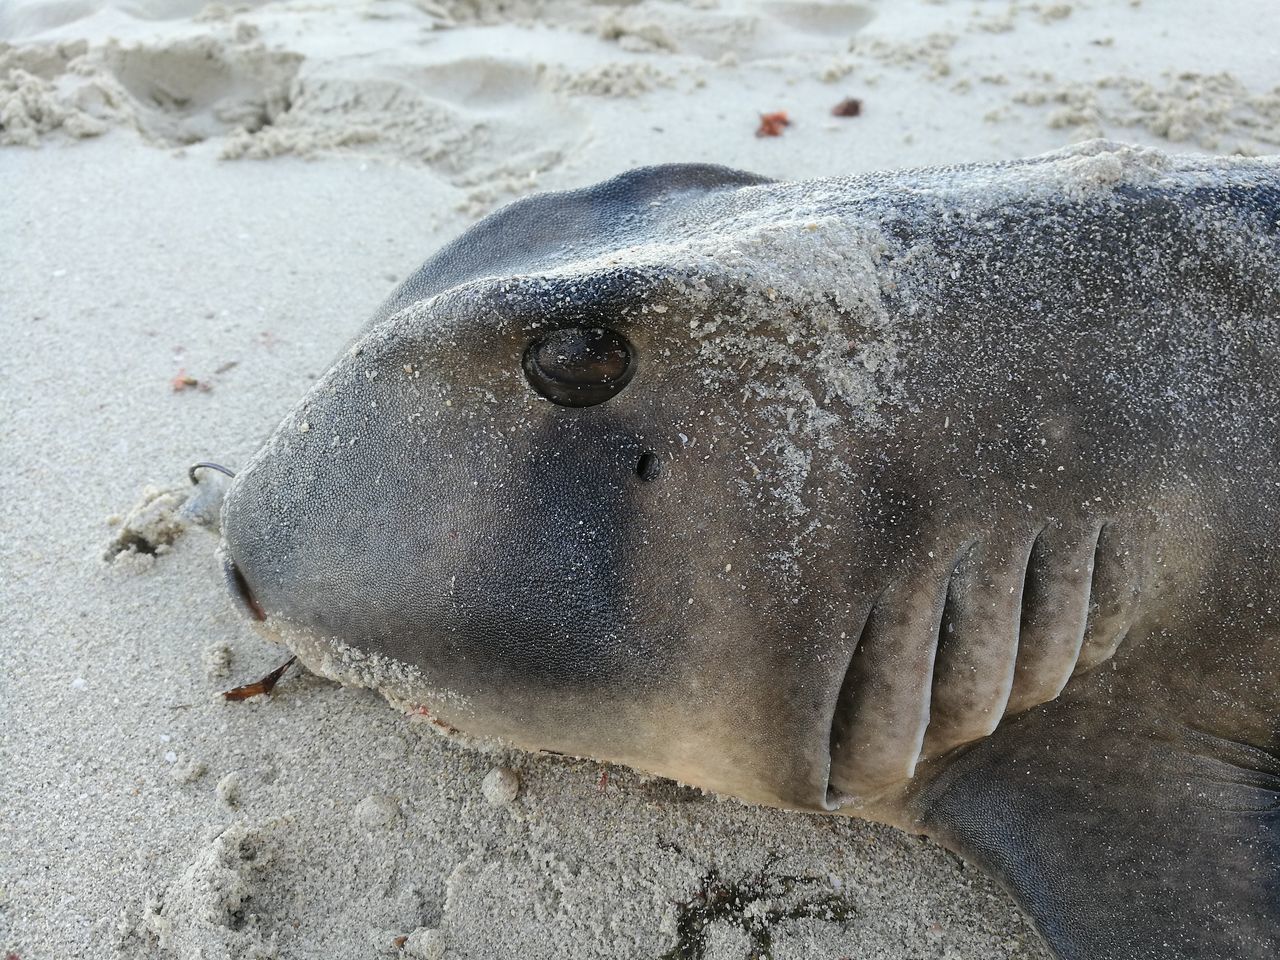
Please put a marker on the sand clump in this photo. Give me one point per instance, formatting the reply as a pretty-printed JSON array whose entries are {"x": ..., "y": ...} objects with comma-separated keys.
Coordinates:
[
  {"x": 230, "y": 790},
  {"x": 500, "y": 786},
  {"x": 377, "y": 811},
  {"x": 172, "y": 93},
  {"x": 426, "y": 943},
  {"x": 478, "y": 121},
  {"x": 386, "y": 116},
  {"x": 150, "y": 528},
  {"x": 188, "y": 769},
  {"x": 612, "y": 80},
  {"x": 211, "y": 904},
  {"x": 932, "y": 51},
  {"x": 162, "y": 515},
  {"x": 32, "y": 102},
  {"x": 31, "y": 107},
  {"x": 1213, "y": 111}
]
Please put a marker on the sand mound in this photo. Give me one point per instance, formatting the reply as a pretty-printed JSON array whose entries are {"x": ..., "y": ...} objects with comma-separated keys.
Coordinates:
[
  {"x": 471, "y": 120},
  {"x": 210, "y": 907},
  {"x": 173, "y": 93},
  {"x": 150, "y": 528},
  {"x": 475, "y": 120}
]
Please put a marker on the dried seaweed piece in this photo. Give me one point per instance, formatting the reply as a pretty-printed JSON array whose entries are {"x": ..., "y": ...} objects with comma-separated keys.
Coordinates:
[
  {"x": 265, "y": 685},
  {"x": 772, "y": 124},
  {"x": 848, "y": 107},
  {"x": 183, "y": 381}
]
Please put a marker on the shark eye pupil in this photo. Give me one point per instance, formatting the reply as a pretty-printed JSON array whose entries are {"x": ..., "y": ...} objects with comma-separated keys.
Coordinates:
[{"x": 579, "y": 366}]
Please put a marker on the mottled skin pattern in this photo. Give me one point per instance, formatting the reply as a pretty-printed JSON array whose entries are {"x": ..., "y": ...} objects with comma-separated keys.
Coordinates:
[{"x": 1022, "y": 596}]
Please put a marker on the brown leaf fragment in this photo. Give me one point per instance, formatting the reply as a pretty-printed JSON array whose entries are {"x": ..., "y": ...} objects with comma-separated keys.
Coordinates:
[
  {"x": 265, "y": 685},
  {"x": 848, "y": 107}
]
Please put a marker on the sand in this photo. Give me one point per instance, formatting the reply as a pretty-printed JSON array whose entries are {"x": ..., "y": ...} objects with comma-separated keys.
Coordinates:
[{"x": 203, "y": 204}]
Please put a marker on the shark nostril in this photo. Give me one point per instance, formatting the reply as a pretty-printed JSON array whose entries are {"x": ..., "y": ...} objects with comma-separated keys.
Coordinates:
[{"x": 240, "y": 590}]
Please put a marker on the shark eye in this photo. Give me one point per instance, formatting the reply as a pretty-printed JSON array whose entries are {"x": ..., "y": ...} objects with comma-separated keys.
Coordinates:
[{"x": 579, "y": 366}]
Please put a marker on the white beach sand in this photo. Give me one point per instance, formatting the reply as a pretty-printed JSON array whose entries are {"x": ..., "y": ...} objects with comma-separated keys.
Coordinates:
[{"x": 225, "y": 192}]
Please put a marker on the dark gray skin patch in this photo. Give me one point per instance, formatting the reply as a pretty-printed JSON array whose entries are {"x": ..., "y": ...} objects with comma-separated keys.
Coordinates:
[{"x": 965, "y": 516}]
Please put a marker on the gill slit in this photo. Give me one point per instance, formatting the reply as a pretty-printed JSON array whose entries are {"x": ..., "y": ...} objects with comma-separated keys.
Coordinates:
[
  {"x": 997, "y": 708},
  {"x": 1022, "y": 615},
  {"x": 1024, "y": 599},
  {"x": 927, "y": 687},
  {"x": 841, "y": 697},
  {"x": 1037, "y": 568},
  {"x": 1087, "y": 605}
]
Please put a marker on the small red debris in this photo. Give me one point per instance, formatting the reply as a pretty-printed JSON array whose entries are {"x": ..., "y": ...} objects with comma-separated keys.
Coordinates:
[
  {"x": 399, "y": 942},
  {"x": 848, "y": 107},
  {"x": 603, "y": 780},
  {"x": 184, "y": 381},
  {"x": 772, "y": 124},
  {"x": 265, "y": 685},
  {"x": 421, "y": 711}
]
